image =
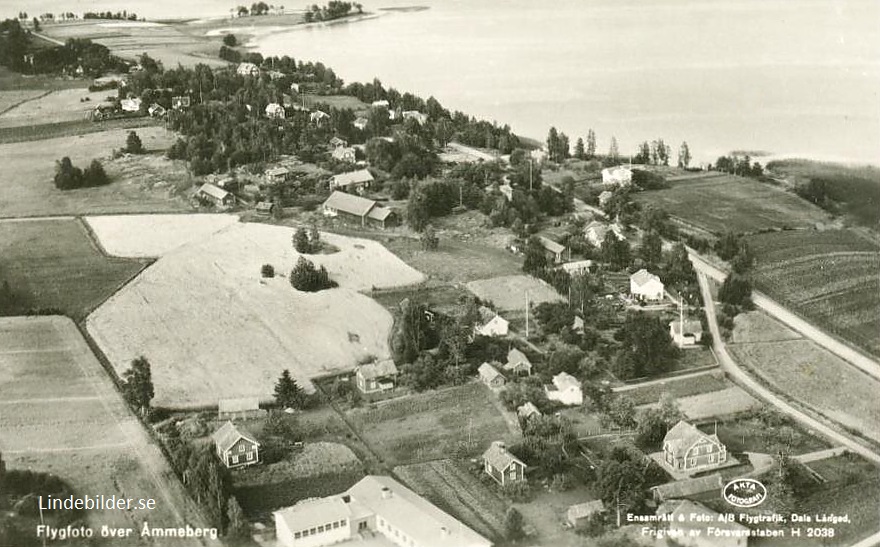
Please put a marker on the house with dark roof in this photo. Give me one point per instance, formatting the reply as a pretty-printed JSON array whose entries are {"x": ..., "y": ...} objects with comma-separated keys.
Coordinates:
[
  {"x": 353, "y": 181},
  {"x": 376, "y": 377},
  {"x": 490, "y": 376},
  {"x": 216, "y": 196},
  {"x": 366, "y": 212},
  {"x": 377, "y": 510},
  {"x": 553, "y": 250},
  {"x": 527, "y": 411},
  {"x": 235, "y": 447},
  {"x": 503, "y": 466},
  {"x": 277, "y": 175},
  {"x": 686, "y": 448}
]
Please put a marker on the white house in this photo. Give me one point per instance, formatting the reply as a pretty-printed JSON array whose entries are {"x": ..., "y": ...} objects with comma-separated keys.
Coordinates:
[
  {"x": 691, "y": 334},
  {"x": 247, "y": 69},
  {"x": 527, "y": 410},
  {"x": 577, "y": 267},
  {"x": 518, "y": 363},
  {"x": 344, "y": 153},
  {"x": 130, "y": 105},
  {"x": 596, "y": 231},
  {"x": 491, "y": 324},
  {"x": 381, "y": 104},
  {"x": 275, "y": 111},
  {"x": 361, "y": 123},
  {"x": 643, "y": 285},
  {"x": 617, "y": 176},
  {"x": 687, "y": 449},
  {"x": 566, "y": 389},
  {"x": 156, "y": 110},
  {"x": 422, "y": 119},
  {"x": 376, "y": 377},
  {"x": 353, "y": 181},
  {"x": 318, "y": 117}
]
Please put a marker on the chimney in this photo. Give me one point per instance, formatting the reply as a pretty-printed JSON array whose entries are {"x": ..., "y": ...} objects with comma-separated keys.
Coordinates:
[{"x": 386, "y": 492}]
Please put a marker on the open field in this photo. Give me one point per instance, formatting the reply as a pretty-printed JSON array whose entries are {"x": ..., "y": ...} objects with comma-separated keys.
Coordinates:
[
  {"x": 13, "y": 81},
  {"x": 213, "y": 328},
  {"x": 54, "y": 264},
  {"x": 26, "y": 187},
  {"x": 747, "y": 433},
  {"x": 817, "y": 377},
  {"x": 60, "y": 413},
  {"x": 58, "y": 106},
  {"x": 451, "y": 487},
  {"x": 12, "y": 98},
  {"x": 340, "y": 102},
  {"x": 460, "y": 421},
  {"x": 154, "y": 235},
  {"x": 677, "y": 387},
  {"x": 757, "y": 326},
  {"x": 829, "y": 277},
  {"x": 725, "y": 402},
  {"x": 455, "y": 261},
  {"x": 508, "y": 293},
  {"x": 729, "y": 203},
  {"x": 440, "y": 298}
]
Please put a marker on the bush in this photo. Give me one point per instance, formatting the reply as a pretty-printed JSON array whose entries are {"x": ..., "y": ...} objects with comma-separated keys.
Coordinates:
[
  {"x": 267, "y": 270},
  {"x": 133, "y": 144},
  {"x": 517, "y": 492},
  {"x": 306, "y": 277},
  {"x": 230, "y": 40},
  {"x": 94, "y": 175}
]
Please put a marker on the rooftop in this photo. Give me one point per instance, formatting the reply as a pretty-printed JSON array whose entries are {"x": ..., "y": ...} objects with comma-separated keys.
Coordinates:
[
  {"x": 228, "y": 435},
  {"x": 349, "y": 203},
  {"x": 377, "y": 370},
  {"x": 643, "y": 277}
]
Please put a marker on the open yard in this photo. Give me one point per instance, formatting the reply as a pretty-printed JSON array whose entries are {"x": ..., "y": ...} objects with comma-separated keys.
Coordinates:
[
  {"x": 213, "y": 328},
  {"x": 60, "y": 413},
  {"x": 54, "y": 264},
  {"x": 450, "y": 486},
  {"x": 757, "y": 326},
  {"x": 455, "y": 261},
  {"x": 677, "y": 387},
  {"x": 729, "y": 203},
  {"x": 830, "y": 277},
  {"x": 138, "y": 184},
  {"x": 748, "y": 433},
  {"x": 460, "y": 421},
  {"x": 508, "y": 293},
  {"x": 811, "y": 374},
  {"x": 725, "y": 402},
  {"x": 12, "y": 98}
]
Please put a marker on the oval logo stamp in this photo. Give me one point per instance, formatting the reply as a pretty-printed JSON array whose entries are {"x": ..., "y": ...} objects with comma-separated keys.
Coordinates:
[{"x": 744, "y": 492}]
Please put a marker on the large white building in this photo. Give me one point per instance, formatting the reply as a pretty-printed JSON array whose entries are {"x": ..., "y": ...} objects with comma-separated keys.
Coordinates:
[
  {"x": 566, "y": 389},
  {"x": 617, "y": 176},
  {"x": 643, "y": 285},
  {"x": 375, "y": 505}
]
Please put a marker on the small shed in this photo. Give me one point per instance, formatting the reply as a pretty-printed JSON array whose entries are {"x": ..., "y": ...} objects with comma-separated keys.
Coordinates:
[
  {"x": 581, "y": 512},
  {"x": 490, "y": 376},
  {"x": 241, "y": 408},
  {"x": 265, "y": 208}
]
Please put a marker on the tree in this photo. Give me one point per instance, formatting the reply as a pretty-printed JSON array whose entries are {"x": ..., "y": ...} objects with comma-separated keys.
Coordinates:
[
  {"x": 613, "y": 152},
  {"x": 230, "y": 40},
  {"x": 267, "y": 270},
  {"x": 579, "y": 152},
  {"x": 736, "y": 290},
  {"x": 418, "y": 210},
  {"x": 429, "y": 239},
  {"x": 314, "y": 239},
  {"x": 94, "y": 175},
  {"x": 288, "y": 394},
  {"x": 306, "y": 277},
  {"x": 513, "y": 525},
  {"x": 238, "y": 526},
  {"x": 591, "y": 145},
  {"x": 651, "y": 249},
  {"x": 684, "y": 155},
  {"x": 301, "y": 241},
  {"x": 615, "y": 252},
  {"x": 646, "y": 347},
  {"x": 138, "y": 386},
  {"x": 536, "y": 257},
  {"x": 622, "y": 412},
  {"x": 133, "y": 144},
  {"x": 67, "y": 176}
]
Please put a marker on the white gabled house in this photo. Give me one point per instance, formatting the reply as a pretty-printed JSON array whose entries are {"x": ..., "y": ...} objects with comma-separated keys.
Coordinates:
[
  {"x": 687, "y": 449},
  {"x": 247, "y": 69},
  {"x": 687, "y": 332},
  {"x": 491, "y": 324},
  {"x": 376, "y": 377},
  {"x": 275, "y": 111},
  {"x": 565, "y": 389},
  {"x": 645, "y": 286}
]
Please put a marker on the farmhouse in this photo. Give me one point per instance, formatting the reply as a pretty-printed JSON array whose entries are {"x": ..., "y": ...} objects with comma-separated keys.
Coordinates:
[
  {"x": 686, "y": 332},
  {"x": 605, "y": 197},
  {"x": 645, "y": 286},
  {"x": 376, "y": 377},
  {"x": 361, "y": 210},
  {"x": 691, "y": 521},
  {"x": 527, "y": 411},
  {"x": 686, "y": 448},
  {"x": 596, "y": 231},
  {"x": 353, "y": 181},
  {"x": 336, "y": 142},
  {"x": 277, "y": 175},
  {"x": 130, "y": 105},
  {"x": 156, "y": 110},
  {"x": 344, "y": 153},
  {"x": 553, "y": 250},
  {"x": 422, "y": 119},
  {"x": 217, "y": 196},
  {"x": 566, "y": 389},
  {"x": 234, "y": 447},
  {"x": 503, "y": 466},
  {"x": 376, "y": 505},
  {"x": 581, "y": 512},
  {"x": 490, "y": 376},
  {"x": 490, "y": 324},
  {"x": 578, "y": 267},
  {"x": 518, "y": 363},
  {"x": 247, "y": 69},
  {"x": 617, "y": 176},
  {"x": 243, "y": 408},
  {"x": 688, "y": 487},
  {"x": 361, "y": 123},
  {"x": 275, "y": 111}
]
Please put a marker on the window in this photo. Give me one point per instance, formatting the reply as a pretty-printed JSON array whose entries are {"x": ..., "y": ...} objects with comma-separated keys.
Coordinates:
[
  {"x": 241, "y": 447},
  {"x": 297, "y": 535},
  {"x": 711, "y": 458},
  {"x": 234, "y": 460},
  {"x": 249, "y": 456}
]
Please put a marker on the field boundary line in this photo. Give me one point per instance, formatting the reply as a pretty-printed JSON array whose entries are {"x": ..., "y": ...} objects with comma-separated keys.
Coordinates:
[
  {"x": 629, "y": 387},
  {"x": 49, "y": 400},
  {"x": 122, "y": 445},
  {"x": 19, "y": 103}
]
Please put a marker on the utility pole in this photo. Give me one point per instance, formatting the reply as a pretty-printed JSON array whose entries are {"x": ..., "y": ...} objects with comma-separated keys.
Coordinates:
[
  {"x": 527, "y": 315},
  {"x": 530, "y": 174}
]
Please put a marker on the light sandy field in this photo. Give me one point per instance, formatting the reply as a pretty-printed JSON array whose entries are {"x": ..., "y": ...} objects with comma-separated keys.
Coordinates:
[
  {"x": 509, "y": 292},
  {"x": 212, "y": 328},
  {"x": 10, "y": 98},
  {"x": 60, "y": 413},
  {"x": 725, "y": 402},
  {"x": 58, "y": 106},
  {"x": 757, "y": 326},
  {"x": 26, "y": 187},
  {"x": 140, "y": 236}
]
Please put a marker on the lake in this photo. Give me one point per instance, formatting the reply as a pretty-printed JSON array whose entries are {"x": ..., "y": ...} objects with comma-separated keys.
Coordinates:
[{"x": 791, "y": 78}]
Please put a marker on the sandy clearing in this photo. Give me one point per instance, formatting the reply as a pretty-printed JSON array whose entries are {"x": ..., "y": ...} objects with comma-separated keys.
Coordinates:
[
  {"x": 724, "y": 402},
  {"x": 509, "y": 292},
  {"x": 152, "y": 236},
  {"x": 213, "y": 329}
]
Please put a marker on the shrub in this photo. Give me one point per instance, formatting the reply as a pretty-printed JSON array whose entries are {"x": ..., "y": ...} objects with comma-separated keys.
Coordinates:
[
  {"x": 133, "y": 144},
  {"x": 94, "y": 175},
  {"x": 306, "y": 277},
  {"x": 230, "y": 40},
  {"x": 267, "y": 270}
]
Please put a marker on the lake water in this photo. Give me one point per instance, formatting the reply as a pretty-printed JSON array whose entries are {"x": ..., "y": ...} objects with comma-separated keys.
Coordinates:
[{"x": 788, "y": 77}]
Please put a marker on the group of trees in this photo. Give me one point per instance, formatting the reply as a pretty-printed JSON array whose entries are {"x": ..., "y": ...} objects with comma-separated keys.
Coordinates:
[
  {"x": 119, "y": 15},
  {"x": 306, "y": 277},
  {"x": 588, "y": 151},
  {"x": 307, "y": 241},
  {"x": 18, "y": 54},
  {"x": 646, "y": 349},
  {"x": 69, "y": 177},
  {"x": 739, "y": 165},
  {"x": 333, "y": 10}
]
